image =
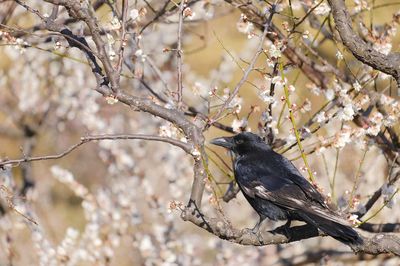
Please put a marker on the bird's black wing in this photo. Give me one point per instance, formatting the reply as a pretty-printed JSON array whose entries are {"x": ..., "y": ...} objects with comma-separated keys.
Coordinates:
[
  {"x": 276, "y": 173},
  {"x": 308, "y": 189},
  {"x": 293, "y": 175},
  {"x": 291, "y": 192},
  {"x": 293, "y": 199}
]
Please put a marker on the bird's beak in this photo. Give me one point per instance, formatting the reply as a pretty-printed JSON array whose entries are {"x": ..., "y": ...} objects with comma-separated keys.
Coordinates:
[{"x": 226, "y": 142}]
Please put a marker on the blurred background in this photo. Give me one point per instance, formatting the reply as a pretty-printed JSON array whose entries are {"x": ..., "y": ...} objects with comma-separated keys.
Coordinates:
[{"x": 117, "y": 202}]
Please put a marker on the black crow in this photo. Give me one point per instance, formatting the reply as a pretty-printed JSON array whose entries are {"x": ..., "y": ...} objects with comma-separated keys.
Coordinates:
[{"x": 276, "y": 189}]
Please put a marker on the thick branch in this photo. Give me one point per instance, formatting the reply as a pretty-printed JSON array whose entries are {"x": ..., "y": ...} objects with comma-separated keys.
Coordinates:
[
  {"x": 225, "y": 230},
  {"x": 389, "y": 64},
  {"x": 379, "y": 243}
]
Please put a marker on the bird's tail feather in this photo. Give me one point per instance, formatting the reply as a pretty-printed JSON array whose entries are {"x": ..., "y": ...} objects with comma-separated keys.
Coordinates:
[{"x": 341, "y": 232}]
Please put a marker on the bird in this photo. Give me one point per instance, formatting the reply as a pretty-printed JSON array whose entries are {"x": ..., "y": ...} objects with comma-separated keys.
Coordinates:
[{"x": 277, "y": 190}]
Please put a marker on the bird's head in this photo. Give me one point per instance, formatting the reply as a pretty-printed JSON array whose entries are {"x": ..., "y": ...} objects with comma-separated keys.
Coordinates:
[{"x": 241, "y": 143}]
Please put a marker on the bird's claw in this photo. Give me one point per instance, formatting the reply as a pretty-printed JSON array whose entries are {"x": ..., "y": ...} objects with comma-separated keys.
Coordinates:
[
  {"x": 253, "y": 231},
  {"x": 246, "y": 231}
]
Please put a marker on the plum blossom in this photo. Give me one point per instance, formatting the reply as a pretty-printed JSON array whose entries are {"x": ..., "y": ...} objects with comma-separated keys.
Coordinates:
[
  {"x": 322, "y": 10},
  {"x": 245, "y": 26},
  {"x": 237, "y": 125},
  {"x": 357, "y": 86},
  {"x": 346, "y": 113},
  {"x": 268, "y": 99},
  {"x": 274, "y": 51},
  {"x": 320, "y": 117},
  {"x": 329, "y": 94},
  {"x": 134, "y": 14},
  {"x": 339, "y": 55},
  {"x": 343, "y": 137},
  {"x": 353, "y": 219},
  {"x": 376, "y": 124}
]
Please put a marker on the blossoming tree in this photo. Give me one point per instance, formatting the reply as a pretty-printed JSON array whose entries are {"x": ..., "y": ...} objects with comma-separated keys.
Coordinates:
[{"x": 149, "y": 82}]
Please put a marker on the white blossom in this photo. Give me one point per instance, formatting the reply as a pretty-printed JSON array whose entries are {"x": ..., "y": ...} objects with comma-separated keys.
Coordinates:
[
  {"x": 320, "y": 117},
  {"x": 189, "y": 13},
  {"x": 346, "y": 113},
  {"x": 306, "y": 34},
  {"x": 343, "y": 137},
  {"x": 245, "y": 26},
  {"x": 134, "y": 14},
  {"x": 357, "y": 86},
  {"x": 360, "y": 5},
  {"x": 375, "y": 127},
  {"x": 339, "y": 55},
  {"x": 274, "y": 51},
  {"x": 353, "y": 219},
  {"x": 383, "y": 48},
  {"x": 329, "y": 94},
  {"x": 238, "y": 124},
  {"x": 61, "y": 174},
  {"x": 115, "y": 24},
  {"x": 266, "y": 97},
  {"x": 390, "y": 120},
  {"x": 322, "y": 10}
]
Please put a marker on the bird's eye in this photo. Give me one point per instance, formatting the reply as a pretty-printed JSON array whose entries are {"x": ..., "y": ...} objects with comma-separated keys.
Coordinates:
[{"x": 239, "y": 141}]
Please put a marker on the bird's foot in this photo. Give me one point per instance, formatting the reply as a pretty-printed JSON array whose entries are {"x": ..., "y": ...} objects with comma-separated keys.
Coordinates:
[{"x": 254, "y": 231}]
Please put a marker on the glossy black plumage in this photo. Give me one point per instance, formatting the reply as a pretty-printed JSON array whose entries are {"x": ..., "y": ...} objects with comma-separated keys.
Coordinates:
[{"x": 276, "y": 189}]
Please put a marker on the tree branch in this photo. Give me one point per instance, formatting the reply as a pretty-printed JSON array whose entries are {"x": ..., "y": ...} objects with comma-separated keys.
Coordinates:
[
  {"x": 379, "y": 243},
  {"x": 185, "y": 146},
  {"x": 78, "y": 10},
  {"x": 179, "y": 53},
  {"x": 389, "y": 64}
]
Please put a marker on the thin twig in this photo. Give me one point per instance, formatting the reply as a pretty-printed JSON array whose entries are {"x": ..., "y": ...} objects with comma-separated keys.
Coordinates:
[
  {"x": 356, "y": 177},
  {"x": 249, "y": 68},
  {"x": 123, "y": 35},
  {"x": 30, "y": 9},
  {"x": 378, "y": 193},
  {"x": 186, "y": 147},
  {"x": 380, "y": 209},
  {"x": 296, "y": 132},
  {"x": 11, "y": 205},
  {"x": 333, "y": 181},
  {"x": 179, "y": 53},
  {"x": 306, "y": 15}
]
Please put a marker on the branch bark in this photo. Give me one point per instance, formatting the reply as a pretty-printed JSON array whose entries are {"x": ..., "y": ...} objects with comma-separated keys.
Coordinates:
[
  {"x": 377, "y": 244},
  {"x": 389, "y": 64}
]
